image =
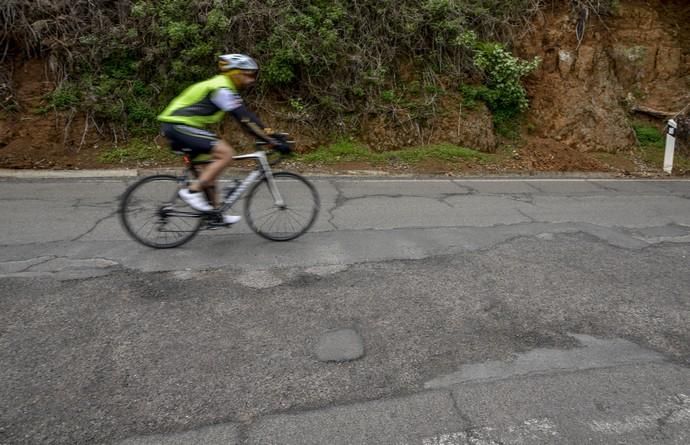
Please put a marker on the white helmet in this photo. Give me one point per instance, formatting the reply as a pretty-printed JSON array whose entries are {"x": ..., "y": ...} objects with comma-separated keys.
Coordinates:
[{"x": 229, "y": 62}]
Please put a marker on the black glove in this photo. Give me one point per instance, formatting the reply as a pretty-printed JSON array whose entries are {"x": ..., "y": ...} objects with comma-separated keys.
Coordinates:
[
  {"x": 282, "y": 147},
  {"x": 280, "y": 143}
]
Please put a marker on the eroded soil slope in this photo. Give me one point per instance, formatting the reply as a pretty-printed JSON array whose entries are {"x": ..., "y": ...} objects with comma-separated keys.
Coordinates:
[
  {"x": 584, "y": 91},
  {"x": 581, "y": 101}
]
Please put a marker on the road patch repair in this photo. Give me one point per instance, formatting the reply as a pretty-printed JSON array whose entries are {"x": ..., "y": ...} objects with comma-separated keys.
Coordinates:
[
  {"x": 340, "y": 345},
  {"x": 495, "y": 403},
  {"x": 57, "y": 267}
]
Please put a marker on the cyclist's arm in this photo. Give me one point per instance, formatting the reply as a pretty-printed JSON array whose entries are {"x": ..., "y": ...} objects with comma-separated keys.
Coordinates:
[
  {"x": 251, "y": 124},
  {"x": 232, "y": 103}
]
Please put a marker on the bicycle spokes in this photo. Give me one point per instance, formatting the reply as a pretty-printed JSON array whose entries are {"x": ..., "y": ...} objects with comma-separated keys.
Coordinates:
[
  {"x": 291, "y": 216},
  {"x": 152, "y": 214}
]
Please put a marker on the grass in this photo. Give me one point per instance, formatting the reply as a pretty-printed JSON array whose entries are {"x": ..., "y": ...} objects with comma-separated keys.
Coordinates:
[
  {"x": 653, "y": 145},
  {"x": 649, "y": 137},
  {"x": 344, "y": 151},
  {"x": 348, "y": 151},
  {"x": 137, "y": 151},
  {"x": 142, "y": 151}
]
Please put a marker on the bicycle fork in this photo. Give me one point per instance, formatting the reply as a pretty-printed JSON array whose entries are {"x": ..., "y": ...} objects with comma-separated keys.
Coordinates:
[{"x": 265, "y": 169}]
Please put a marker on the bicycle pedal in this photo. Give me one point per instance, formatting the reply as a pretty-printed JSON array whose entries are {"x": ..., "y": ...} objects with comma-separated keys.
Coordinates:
[
  {"x": 217, "y": 225},
  {"x": 214, "y": 217}
]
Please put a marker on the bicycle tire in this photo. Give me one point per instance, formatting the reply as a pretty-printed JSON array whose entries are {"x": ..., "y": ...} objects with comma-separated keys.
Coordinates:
[
  {"x": 152, "y": 214},
  {"x": 294, "y": 218}
]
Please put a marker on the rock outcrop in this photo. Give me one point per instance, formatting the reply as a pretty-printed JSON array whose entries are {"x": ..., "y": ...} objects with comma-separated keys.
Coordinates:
[{"x": 583, "y": 92}]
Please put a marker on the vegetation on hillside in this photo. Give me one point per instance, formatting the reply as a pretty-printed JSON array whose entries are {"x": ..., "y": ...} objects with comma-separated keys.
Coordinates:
[{"x": 330, "y": 62}]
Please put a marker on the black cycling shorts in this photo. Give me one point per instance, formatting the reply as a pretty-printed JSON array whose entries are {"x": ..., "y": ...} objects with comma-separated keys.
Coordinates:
[{"x": 186, "y": 139}]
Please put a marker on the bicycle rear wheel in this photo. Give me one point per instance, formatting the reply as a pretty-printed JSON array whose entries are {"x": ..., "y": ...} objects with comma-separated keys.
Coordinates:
[
  {"x": 289, "y": 220},
  {"x": 152, "y": 213}
]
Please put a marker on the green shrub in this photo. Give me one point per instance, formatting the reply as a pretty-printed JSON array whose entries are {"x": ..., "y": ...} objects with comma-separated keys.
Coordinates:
[
  {"x": 67, "y": 95},
  {"x": 502, "y": 90},
  {"x": 648, "y": 136},
  {"x": 502, "y": 72},
  {"x": 341, "y": 57}
]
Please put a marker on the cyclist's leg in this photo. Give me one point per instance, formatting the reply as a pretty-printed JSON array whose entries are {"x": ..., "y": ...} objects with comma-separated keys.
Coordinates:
[
  {"x": 222, "y": 154},
  {"x": 193, "y": 141}
]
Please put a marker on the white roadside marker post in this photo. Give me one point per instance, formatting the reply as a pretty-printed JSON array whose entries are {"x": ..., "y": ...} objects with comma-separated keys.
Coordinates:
[{"x": 670, "y": 146}]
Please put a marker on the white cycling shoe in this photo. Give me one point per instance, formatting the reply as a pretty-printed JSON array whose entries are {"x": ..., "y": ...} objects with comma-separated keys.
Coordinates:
[
  {"x": 197, "y": 200},
  {"x": 231, "y": 219}
]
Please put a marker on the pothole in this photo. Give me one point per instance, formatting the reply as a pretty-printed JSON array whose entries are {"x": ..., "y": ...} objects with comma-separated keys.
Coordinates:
[{"x": 341, "y": 345}]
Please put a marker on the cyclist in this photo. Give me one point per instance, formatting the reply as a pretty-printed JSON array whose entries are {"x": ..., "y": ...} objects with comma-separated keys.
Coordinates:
[{"x": 205, "y": 103}]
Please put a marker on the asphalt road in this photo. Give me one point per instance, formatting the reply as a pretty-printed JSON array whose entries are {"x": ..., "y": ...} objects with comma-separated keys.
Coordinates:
[{"x": 491, "y": 311}]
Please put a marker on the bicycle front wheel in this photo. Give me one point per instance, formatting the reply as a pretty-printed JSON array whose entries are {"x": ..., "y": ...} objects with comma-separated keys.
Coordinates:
[
  {"x": 286, "y": 220},
  {"x": 152, "y": 213}
]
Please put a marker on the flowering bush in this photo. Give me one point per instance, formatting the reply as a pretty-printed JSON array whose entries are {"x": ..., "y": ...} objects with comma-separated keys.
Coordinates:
[{"x": 502, "y": 89}]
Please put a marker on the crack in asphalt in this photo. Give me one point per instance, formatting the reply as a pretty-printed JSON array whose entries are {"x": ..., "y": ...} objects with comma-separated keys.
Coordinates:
[
  {"x": 74, "y": 205},
  {"x": 618, "y": 229},
  {"x": 527, "y": 198},
  {"x": 28, "y": 199},
  {"x": 100, "y": 220},
  {"x": 97, "y": 205},
  {"x": 446, "y": 196},
  {"x": 338, "y": 202},
  {"x": 599, "y": 232},
  {"x": 529, "y": 218},
  {"x": 442, "y": 198},
  {"x": 47, "y": 260},
  {"x": 587, "y": 194},
  {"x": 594, "y": 233},
  {"x": 603, "y": 187},
  {"x": 342, "y": 200},
  {"x": 469, "y": 189},
  {"x": 529, "y": 184}
]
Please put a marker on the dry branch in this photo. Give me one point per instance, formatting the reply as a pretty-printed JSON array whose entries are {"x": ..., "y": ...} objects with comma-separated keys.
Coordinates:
[{"x": 652, "y": 112}]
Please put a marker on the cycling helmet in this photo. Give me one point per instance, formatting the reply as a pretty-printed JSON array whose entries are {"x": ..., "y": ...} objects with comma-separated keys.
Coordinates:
[{"x": 229, "y": 62}]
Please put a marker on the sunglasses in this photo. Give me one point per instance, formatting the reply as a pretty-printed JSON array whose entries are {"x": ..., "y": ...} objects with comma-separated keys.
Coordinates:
[{"x": 250, "y": 74}]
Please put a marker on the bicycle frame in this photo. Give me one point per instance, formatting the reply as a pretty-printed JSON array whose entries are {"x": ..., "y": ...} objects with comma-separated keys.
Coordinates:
[{"x": 263, "y": 169}]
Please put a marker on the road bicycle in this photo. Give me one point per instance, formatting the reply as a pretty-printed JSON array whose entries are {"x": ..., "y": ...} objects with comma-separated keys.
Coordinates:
[{"x": 279, "y": 206}]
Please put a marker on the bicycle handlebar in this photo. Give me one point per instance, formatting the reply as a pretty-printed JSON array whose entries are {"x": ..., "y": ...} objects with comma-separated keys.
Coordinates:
[{"x": 283, "y": 137}]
